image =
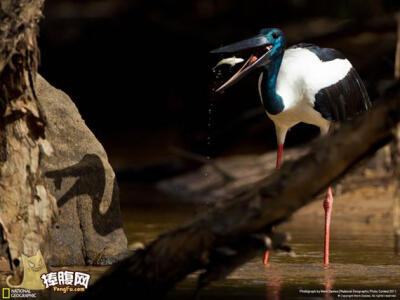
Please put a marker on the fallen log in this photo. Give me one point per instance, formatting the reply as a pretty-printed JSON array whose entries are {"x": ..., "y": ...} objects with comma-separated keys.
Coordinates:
[
  {"x": 153, "y": 271},
  {"x": 223, "y": 177}
]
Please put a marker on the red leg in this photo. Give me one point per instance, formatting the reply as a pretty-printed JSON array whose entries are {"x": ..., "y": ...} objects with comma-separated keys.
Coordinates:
[
  {"x": 266, "y": 255},
  {"x": 279, "y": 158},
  {"x": 328, "y": 212}
]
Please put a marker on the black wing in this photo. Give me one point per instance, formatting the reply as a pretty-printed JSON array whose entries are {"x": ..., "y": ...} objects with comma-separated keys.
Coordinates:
[{"x": 343, "y": 100}]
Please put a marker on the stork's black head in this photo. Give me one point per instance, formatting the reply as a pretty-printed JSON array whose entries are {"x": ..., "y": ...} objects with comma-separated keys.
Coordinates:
[{"x": 265, "y": 47}]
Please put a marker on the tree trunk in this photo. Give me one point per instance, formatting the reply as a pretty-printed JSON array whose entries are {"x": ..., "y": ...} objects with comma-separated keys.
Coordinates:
[
  {"x": 214, "y": 240},
  {"x": 26, "y": 207}
]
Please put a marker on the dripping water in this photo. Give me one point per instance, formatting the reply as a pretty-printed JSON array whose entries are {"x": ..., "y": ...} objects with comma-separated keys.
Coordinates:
[{"x": 210, "y": 116}]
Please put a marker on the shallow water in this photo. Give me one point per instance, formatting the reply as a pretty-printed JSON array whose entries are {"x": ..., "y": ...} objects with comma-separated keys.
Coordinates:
[{"x": 363, "y": 264}]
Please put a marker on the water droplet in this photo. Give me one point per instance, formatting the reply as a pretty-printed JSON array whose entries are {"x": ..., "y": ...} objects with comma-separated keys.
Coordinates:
[{"x": 210, "y": 127}]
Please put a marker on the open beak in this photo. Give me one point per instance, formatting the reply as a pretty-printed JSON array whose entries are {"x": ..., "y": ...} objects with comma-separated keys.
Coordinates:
[{"x": 260, "y": 56}]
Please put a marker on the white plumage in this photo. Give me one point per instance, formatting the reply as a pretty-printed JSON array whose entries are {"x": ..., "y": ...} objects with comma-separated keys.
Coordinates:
[{"x": 301, "y": 75}]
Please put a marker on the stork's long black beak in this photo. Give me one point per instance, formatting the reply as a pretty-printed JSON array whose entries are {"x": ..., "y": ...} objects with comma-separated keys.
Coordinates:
[
  {"x": 254, "y": 42},
  {"x": 260, "y": 57}
]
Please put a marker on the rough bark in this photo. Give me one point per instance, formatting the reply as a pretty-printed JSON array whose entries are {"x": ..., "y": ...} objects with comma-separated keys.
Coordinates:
[
  {"x": 154, "y": 270},
  {"x": 26, "y": 207}
]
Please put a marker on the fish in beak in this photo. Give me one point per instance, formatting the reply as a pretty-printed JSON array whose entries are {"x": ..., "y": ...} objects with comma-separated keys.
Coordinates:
[
  {"x": 260, "y": 48},
  {"x": 229, "y": 61}
]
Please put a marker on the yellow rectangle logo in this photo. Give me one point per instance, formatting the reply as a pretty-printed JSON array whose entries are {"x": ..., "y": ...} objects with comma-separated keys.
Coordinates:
[{"x": 5, "y": 294}]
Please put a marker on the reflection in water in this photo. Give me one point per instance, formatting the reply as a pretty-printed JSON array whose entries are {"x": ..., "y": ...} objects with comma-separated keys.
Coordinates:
[
  {"x": 273, "y": 285},
  {"x": 328, "y": 284},
  {"x": 275, "y": 279}
]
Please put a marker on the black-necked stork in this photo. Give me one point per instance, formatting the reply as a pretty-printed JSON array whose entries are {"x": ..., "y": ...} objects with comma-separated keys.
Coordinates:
[{"x": 304, "y": 83}]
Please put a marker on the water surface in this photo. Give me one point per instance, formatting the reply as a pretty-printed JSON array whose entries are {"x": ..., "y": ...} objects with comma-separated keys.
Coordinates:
[{"x": 363, "y": 264}]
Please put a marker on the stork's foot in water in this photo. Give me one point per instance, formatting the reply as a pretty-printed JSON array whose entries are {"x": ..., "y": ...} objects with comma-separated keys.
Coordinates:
[
  {"x": 328, "y": 202},
  {"x": 266, "y": 256}
]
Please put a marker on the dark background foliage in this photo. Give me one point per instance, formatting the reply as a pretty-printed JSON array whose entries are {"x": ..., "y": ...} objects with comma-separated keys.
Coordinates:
[{"x": 140, "y": 71}]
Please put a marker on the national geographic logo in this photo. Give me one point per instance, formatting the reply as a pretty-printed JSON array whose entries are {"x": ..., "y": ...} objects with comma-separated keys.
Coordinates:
[
  {"x": 8, "y": 293},
  {"x": 5, "y": 293}
]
